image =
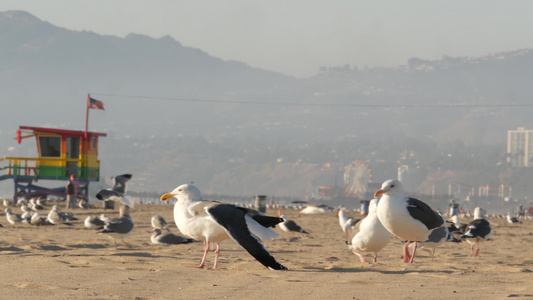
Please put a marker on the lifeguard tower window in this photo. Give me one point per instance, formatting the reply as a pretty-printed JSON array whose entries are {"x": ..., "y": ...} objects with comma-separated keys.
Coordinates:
[
  {"x": 73, "y": 147},
  {"x": 94, "y": 143},
  {"x": 50, "y": 146}
]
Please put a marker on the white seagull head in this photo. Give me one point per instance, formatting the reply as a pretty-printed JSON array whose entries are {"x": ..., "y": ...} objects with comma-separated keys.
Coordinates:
[
  {"x": 479, "y": 213},
  {"x": 184, "y": 192},
  {"x": 390, "y": 187}
]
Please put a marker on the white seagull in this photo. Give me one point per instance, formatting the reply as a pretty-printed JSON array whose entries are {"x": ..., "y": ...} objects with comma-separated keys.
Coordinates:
[
  {"x": 159, "y": 222},
  {"x": 119, "y": 228},
  {"x": 347, "y": 223},
  {"x": 477, "y": 231},
  {"x": 407, "y": 218},
  {"x": 56, "y": 217},
  {"x": 213, "y": 222},
  {"x": 12, "y": 217},
  {"x": 372, "y": 236}
]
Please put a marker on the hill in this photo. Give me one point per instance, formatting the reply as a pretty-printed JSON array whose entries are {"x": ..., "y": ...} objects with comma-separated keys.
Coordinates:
[{"x": 176, "y": 114}]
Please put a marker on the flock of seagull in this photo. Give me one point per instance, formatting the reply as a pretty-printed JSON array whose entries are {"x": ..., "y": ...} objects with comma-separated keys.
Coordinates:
[{"x": 389, "y": 213}]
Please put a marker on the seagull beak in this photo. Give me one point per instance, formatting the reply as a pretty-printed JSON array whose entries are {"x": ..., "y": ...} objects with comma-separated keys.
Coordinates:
[
  {"x": 166, "y": 196},
  {"x": 379, "y": 193}
]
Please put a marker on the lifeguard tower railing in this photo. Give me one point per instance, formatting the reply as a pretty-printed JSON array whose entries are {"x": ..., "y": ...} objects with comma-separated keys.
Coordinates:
[{"x": 47, "y": 168}]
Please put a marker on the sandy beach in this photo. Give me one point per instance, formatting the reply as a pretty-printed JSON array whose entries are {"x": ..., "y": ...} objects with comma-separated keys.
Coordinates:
[{"x": 72, "y": 262}]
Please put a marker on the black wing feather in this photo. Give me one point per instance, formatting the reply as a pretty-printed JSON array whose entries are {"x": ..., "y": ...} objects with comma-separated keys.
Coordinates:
[
  {"x": 233, "y": 220},
  {"x": 423, "y": 213}
]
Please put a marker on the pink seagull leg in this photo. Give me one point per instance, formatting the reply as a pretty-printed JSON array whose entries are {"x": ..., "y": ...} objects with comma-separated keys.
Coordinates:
[
  {"x": 206, "y": 249},
  {"x": 414, "y": 251},
  {"x": 361, "y": 257},
  {"x": 406, "y": 256},
  {"x": 217, "y": 253}
]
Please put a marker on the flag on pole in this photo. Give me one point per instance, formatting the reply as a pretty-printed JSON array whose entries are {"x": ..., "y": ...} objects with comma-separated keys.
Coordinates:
[{"x": 96, "y": 104}]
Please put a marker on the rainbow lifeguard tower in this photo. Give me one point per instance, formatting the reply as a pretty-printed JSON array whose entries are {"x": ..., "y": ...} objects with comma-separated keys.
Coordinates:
[{"x": 60, "y": 152}]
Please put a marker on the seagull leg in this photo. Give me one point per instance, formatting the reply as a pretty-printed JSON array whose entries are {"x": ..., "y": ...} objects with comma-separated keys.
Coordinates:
[
  {"x": 361, "y": 258},
  {"x": 477, "y": 250},
  {"x": 217, "y": 253},
  {"x": 206, "y": 249},
  {"x": 376, "y": 257},
  {"x": 406, "y": 255},
  {"x": 414, "y": 251}
]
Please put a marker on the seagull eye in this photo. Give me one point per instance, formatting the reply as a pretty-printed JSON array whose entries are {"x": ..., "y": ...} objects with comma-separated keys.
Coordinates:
[
  {"x": 392, "y": 185},
  {"x": 180, "y": 190}
]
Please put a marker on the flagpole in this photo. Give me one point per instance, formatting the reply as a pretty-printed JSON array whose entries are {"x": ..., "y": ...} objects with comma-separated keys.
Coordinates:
[{"x": 87, "y": 115}]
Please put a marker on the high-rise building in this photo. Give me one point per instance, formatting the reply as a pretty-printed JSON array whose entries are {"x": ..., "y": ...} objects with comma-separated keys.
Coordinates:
[{"x": 520, "y": 147}]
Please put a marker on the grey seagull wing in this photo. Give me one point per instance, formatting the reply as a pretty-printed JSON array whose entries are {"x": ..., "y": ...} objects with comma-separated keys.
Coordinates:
[
  {"x": 107, "y": 194},
  {"x": 119, "y": 225},
  {"x": 120, "y": 183},
  {"x": 170, "y": 238},
  {"x": 234, "y": 222},
  {"x": 423, "y": 213}
]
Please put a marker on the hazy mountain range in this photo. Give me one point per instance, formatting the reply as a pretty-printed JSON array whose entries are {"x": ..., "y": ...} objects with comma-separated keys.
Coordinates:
[{"x": 175, "y": 114}]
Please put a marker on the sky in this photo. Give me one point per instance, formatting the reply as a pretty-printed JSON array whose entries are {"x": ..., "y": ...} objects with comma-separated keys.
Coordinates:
[{"x": 299, "y": 37}]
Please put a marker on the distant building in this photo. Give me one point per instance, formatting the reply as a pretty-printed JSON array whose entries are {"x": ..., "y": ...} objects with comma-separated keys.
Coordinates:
[
  {"x": 409, "y": 177},
  {"x": 520, "y": 147}
]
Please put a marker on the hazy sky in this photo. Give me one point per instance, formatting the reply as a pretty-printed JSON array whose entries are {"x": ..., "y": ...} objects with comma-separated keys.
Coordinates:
[{"x": 298, "y": 37}]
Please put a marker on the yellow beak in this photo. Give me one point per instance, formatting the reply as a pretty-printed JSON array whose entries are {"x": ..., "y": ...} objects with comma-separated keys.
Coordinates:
[
  {"x": 166, "y": 196},
  {"x": 379, "y": 193}
]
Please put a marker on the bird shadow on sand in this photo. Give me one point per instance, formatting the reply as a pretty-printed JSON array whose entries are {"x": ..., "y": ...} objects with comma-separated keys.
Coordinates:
[
  {"x": 90, "y": 246},
  {"x": 356, "y": 270},
  {"x": 136, "y": 254},
  {"x": 11, "y": 248}
]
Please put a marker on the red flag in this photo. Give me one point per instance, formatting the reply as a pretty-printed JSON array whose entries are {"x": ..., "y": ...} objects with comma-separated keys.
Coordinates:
[{"x": 95, "y": 104}]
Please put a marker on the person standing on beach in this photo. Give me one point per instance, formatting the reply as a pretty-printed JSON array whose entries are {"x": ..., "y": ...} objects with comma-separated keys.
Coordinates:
[{"x": 73, "y": 186}]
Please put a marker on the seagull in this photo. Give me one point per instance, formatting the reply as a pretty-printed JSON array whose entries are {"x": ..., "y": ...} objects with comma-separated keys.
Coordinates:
[
  {"x": 168, "y": 238},
  {"x": 41, "y": 201},
  {"x": 34, "y": 206},
  {"x": 119, "y": 228},
  {"x": 7, "y": 203},
  {"x": 12, "y": 218},
  {"x": 56, "y": 217},
  {"x": 313, "y": 209},
  {"x": 289, "y": 225},
  {"x": 83, "y": 204},
  {"x": 26, "y": 217},
  {"x": 93, "y": 222},
  {"x": 436, "y": 238},
  {"x": 512, "y": 220},
  {"x": 213, "y": 222},
  {"x": 116, "y": 193},
  {"x": 408, "y": 218},
  {"x": 347, "y": 223},
  {"x": 477, "y": 231},
  {"x": 159, "y": 222},
  {"x": 457, "y": 226},
  {"x": 372, "y": 236},
  {"x": 37, "y": 220}
]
